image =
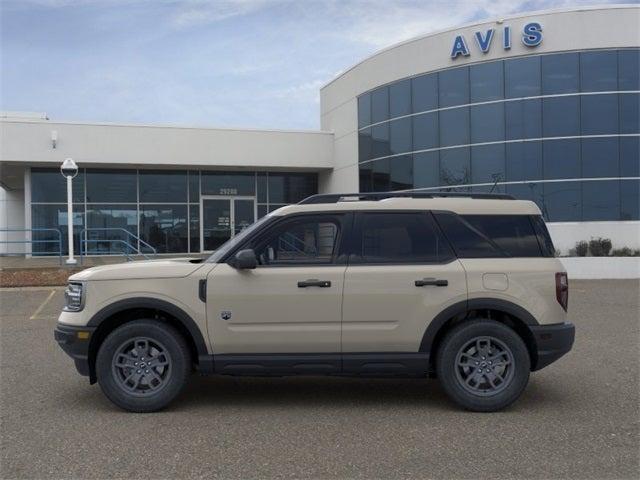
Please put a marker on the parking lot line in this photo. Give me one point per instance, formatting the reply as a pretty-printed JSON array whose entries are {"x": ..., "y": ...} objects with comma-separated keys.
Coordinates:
[{"x": 42, "y": 305}]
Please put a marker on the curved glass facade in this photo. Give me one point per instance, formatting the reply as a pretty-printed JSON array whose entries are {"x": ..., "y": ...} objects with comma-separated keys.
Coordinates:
[{"x": 560, "y": 129}]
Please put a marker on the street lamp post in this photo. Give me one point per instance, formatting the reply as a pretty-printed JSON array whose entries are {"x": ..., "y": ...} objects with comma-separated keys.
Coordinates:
[{"x": 69, "y": 169}]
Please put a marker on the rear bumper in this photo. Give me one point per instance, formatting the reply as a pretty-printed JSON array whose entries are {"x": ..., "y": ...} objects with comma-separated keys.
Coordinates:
[
  {"x": 552, "y": 341},
  {"x": 75, "y": 343}
]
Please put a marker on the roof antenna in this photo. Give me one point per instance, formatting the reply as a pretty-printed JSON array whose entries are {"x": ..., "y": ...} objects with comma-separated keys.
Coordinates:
[{"x": 496, "y": 178}]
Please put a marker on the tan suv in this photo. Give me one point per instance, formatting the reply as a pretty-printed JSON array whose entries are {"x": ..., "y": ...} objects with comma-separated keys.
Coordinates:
[{"x": 462, "y": 287}]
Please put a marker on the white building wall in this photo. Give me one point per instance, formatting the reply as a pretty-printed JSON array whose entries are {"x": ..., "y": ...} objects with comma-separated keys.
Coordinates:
[
  {"x": 622, "y": 234},
  {"x": 11, "y": 217}
]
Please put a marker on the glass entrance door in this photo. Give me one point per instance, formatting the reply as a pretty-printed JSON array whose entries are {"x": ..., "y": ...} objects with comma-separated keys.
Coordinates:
[{"x": 223, "y": 217}]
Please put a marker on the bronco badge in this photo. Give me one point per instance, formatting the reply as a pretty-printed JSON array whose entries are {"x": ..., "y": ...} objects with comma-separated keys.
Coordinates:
[{"x": 225, "y": 315}]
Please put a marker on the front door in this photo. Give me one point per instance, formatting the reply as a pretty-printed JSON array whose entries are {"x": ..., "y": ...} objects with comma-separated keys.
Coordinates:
[{"x": 223, "y": 217}]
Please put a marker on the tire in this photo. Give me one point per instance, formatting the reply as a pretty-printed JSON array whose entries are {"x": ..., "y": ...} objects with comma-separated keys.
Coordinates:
[
  {"x": 494, "y": 350},
  {"x": 142, "y": 366}
]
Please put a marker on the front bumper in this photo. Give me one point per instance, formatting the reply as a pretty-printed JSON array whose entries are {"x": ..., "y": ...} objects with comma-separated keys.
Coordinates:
[
  {"x": 552, "y": 342},
  {"x": 75, "y": 342}
]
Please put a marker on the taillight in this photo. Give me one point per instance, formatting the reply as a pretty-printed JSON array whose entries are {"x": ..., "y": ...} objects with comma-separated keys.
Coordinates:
[{"x": 562, "y": 289}]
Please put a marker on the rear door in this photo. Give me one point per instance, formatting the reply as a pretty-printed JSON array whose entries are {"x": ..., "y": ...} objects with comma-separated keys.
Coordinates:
[{"x": 401, "y": 274}]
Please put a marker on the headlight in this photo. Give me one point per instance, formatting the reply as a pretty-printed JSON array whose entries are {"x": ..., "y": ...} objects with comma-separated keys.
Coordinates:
[{"x": 74, "y": 297}]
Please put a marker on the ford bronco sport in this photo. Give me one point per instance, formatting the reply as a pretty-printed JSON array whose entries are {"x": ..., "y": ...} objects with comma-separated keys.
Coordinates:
[{"x": 464, "y": 288}]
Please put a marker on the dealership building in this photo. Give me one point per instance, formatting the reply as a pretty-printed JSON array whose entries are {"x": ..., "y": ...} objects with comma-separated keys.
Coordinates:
[{"x": 543, "y": 106}]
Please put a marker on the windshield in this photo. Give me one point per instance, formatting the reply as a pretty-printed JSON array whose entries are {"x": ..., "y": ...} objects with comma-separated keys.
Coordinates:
[{"x": 230, "y": 244}]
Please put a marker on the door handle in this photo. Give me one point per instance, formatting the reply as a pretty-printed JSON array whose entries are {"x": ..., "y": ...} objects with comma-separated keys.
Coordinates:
[
  {"x": 314, "y": 283},
  {"x": 431, "y": 282}
]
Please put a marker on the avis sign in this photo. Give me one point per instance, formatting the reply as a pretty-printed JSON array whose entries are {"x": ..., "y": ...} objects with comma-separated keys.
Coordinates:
[{"x": 531, "y": 37}]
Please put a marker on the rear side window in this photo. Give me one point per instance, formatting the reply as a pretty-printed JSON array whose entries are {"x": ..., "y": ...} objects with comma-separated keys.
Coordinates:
[
  {"x": 399, "y": 237},
  {"x": 544, "y": 239},
  {"x": 491, "y": 236}
]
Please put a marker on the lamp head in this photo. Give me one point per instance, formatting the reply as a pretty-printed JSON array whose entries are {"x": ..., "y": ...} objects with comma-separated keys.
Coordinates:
[{"x": 69, "y": 168}]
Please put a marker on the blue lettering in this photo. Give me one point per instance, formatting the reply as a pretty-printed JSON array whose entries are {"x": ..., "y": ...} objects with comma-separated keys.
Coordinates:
[
  {"x": 459, "y": 47},
  {"x": 532, "y": 34},
  {"x": 506, "y": 38},
  {"x": 484, "y": 42}
]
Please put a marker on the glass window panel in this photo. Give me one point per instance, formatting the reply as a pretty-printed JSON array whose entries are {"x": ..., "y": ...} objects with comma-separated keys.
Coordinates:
[
  {"x": 453, "y": 87},
  {"x": 601, "y": 200},
  {"x": 629, "y": 113},
  {"x": 561, "y": 116},
  {"x": 291, "y": 187},
  {"x": 364, "y": 110},
  {"x": 599, "y": 114},
  {"x": 522, "y": 77},
  {"x": 425, "y": 131},
  {"x": 49, "y": 186},
  {"x": 424, "y": 92},
  {"x": 365, "y": 145},
  {"x": 380, "y": 105},
  {"x": 562, "y": 201},
  {"x": 112, "y": 186},
  {"x": 111, "y": 222},
  {"x": 194, "y": 228},
  {"x": 487, "y": 123},
  {"x": 228, "y": 183},
  {"x": 381, "y": 175},
  {"x": 560, "y": 73},
  {"x": 629, "y": 70},
  {"x": 600, "y": 157},
  {"x": 262, "y": 210},
  {"x": 523, "y": 161},
  {"x": 630, "y": 199},
  {"x": 487, "y": 81},
  {"x": 426, "y": 169},
  {"x": 164, "y": 227},
  {"x": 561, "y": 159},
  {"x": 401, "y": 172},
  {"x": 513, "y": 234},
  {"x": 365, "y": 177},
  {"x": 455, "y": 166},
  {"x": 402, "y": 238},
  {"x": 400, "y": 135},
  {"x": 380, "y": 141},
  {"x": 194, "y": 186},
  {"x": 523, "y": 119},
  {"x": 454, "y": 127},
  {"x": 261, "y": 184},
  {"x": 599, "y": 71},
  {"x": 487, "y": 164},
  {"x": 53, "y": 216},
  {"x": 467, "y": 242},
  {"x": 165, "y": 186},
  {"x": 275, "y": 206},
  {"x": 400, "y": 98},
  {"x": 630, "y": 156}
]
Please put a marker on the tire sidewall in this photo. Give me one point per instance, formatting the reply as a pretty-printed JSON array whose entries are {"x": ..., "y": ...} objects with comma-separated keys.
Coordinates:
[
  {"x": 460, "y": 336},
  {"x": 177, "y": 350}
]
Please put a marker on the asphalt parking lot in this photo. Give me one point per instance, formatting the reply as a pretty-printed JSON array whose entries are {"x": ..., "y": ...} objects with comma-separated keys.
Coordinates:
[{"x": 579, "y": 418}]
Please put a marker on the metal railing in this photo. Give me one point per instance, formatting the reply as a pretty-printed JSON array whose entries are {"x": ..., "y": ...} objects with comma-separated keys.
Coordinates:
[
  {"x": 31, "y": 241},
  {"x": 131, "y": 244}
]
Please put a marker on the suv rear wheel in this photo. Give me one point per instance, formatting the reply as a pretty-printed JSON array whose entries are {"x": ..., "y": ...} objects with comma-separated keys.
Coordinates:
[
  {"x": 143, "y": 365},
  {"x": 483, "y": 365}
]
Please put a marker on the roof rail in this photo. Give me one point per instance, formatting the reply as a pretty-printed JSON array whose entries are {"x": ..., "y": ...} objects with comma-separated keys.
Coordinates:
[{"x": 351, "y": 197}]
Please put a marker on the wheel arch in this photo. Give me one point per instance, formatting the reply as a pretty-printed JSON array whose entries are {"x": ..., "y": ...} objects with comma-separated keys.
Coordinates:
[
  {"x": 127, "y": 310},
  {"x": 509, "y": 313}
]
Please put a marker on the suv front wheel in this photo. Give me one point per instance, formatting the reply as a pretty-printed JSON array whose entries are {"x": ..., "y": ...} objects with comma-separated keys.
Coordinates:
[
  {"x": 483, "y": 365},
  {"x": 143, "y": 365}
]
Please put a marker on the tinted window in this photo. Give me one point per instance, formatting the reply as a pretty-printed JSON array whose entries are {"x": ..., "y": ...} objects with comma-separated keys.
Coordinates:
[
  {"x": 380, "y": 105},
  {"x": 487, "y": 123},
  {"x": 598, "y": 71},
  {"x": 514, "y": 234},
  {"x": 487, "y": 82},
  {"x": 562, "y": 201},
  {"x": 454, "y": 127},
  {"x": 560, "y": 73},
  {"x": 467, "y": 241},
  {"x": 599, "y": 114},
  {"x": 630, "y": 157},
  {"x": 401, "y": 238},
  {"x": 400, "y": 99},
  {"x": 364, "y": 110},
  {"x": 291, "y": 187},
  {"x": 426, "y": 169},
  {"x": 111, "y": 186},
  {"x": 544, "y": 239},
  {"x": 523, "y": 119},
  {"x": 194, "y": 227},
  {"x": 400, "y": 135},
  {"x": 600, "y": 157},
  {"x": 601, "y": 200},
  {"x": 364, "y": 144},
  {"x": 401, "y": 172},
  {"x": 454, "y": 87},
  {"x": 380, "y": 141},
  {"x": 522, "y": 77},
  {"x": 455, "y": 168},
  {"x": 55, "y": 217},
  {"x": 424, "y": 93},
  {"x": 194, "y": 186},
  {"x": 629, "y": 113},
  {"x": 163, "y": 186},
  {"x": 308, "y": 240},
  {"x": 380, "y": 175},
  {"x": 425, "y": 131},
  {"x": 561, "y": 159},
  {"x": 629, "y": 69},
  {"x": 523, "y": 161},
  {"x": 487, "y": 164},
  {"x": 561, "y": 116},
  {"x": 629, "y": 203},
  {"x": 261, "y": 185},
  {"x": 48, "y": 185},
  {"x": 165, "y": 227},
  {"x": 365, "y": 177}
]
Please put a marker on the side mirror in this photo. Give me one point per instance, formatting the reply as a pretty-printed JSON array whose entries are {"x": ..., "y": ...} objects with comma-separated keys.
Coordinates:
[{"x": 245, "y": 259}]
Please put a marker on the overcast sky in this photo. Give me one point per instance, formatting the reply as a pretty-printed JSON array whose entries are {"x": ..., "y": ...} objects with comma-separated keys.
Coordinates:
[{"x": 244, "y": 63}]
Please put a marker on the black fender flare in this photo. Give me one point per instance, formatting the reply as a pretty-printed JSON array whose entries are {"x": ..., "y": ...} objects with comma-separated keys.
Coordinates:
[{"x": 464, "y": 307}]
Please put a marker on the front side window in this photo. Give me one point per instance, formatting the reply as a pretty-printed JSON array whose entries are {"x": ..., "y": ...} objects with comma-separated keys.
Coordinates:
[
  {"x": 399, "y": 238},
  {"x": 309, "y": 240}
]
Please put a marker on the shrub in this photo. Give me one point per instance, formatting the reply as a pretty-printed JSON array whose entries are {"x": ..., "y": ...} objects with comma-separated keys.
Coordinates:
[
  {"x": 581, "y": 248},
  {"x": 600, "y": 247},
  {"x": 625, "y": 252}
]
